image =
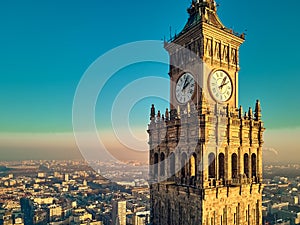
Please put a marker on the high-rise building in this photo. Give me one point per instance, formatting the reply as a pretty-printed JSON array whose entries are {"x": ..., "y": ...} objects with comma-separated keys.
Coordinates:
[
  {"x": 205, "y": 153},
  {"x": 27, "y": 207},
  {"x": 66, "y": 177},
  {"x": 119, "y": 213}
]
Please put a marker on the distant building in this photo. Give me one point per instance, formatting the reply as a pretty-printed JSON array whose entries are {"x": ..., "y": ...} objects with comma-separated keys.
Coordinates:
[
  {"x": 57, "y": 175},
  {"x": 54, "y": 212},
  {"x": 18, "y": 217},
  {"x": 41, "y": 175},
  {"x": 7, "y": 219},
  {"x": 281, "y": 222},
  {"x": 81, "y": 216},
  {"x": 141, "y": 218},
  {"x": 27, "y": 208},
  {"x": 119, "y": 213},
  {"x": 39, "y": 217},
  {"x": 44, "y": 201},
  {"x": 278, "y": 206},
  {"x": 32, "y": 216},
  {"x": 66, "y": 177},
  {"x": 74, "y": 204},
  {"x": 292, "y": 214}
]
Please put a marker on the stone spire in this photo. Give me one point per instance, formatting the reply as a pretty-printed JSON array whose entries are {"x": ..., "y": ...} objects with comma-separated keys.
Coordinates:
[
  {"x": 167, "y": 114},
  {"x": 250, "y": 114},
  {"x": 152, "y": 114},
  {"x": 241, "y": 112},
  {"x": 257, "y": 111},
  {"x": 158, "y": 115}
]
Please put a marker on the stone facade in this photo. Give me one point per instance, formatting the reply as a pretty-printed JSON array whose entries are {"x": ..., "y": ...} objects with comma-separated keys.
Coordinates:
[{"x": 206, "y": 156}]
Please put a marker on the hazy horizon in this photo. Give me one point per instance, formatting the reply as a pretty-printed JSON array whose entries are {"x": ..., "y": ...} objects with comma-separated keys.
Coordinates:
[{"x": 63, "y": 146}]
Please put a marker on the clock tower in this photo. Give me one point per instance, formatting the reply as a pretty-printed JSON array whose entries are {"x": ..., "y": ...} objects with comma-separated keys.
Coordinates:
[{"x": 205, "y": 152}]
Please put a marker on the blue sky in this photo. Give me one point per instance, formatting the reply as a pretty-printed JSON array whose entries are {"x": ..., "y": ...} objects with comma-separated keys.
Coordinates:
[{"x": 46, "y": 46}]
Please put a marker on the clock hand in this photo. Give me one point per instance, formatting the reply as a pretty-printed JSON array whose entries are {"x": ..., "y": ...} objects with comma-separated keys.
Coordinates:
[
  {"x": 223, "y": 83},
  {"x": 184, "y": 85},
  {"x": 221, "y": 87},
  {"x": 187, "y": 84}
]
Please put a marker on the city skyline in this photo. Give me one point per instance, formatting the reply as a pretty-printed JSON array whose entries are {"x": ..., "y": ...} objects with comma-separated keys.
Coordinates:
[{"x": 44, "y": 58}]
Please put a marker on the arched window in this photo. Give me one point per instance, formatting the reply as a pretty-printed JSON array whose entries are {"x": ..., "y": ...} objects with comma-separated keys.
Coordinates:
[
  {"x": 234, "y": 165},
  {"x": 221, "y": 166},
  {"x": 253, "y": 165},
  {"x": 183, "y": 165},
  {"x": 155, "y": 165},
  {"x": 211, "y": 165},
  {"x": 246, "y": 165},
  {"x": 172, "y": 164},
  {"x": 162, "y": 164},
  {"x": 193, "y": 165}
]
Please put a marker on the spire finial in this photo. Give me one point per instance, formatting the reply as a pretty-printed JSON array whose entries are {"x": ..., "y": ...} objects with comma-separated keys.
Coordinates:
[
  {"x": 241, "y": 112},
  {"x": 167, "y": 114},
  {"x": 211, "y": 4},
  {"x": 158, "y": 115},
  {"x": 152, "y": 114},
  {"x": 257, "y": 111},
  {"x": 250, "y": 114}
]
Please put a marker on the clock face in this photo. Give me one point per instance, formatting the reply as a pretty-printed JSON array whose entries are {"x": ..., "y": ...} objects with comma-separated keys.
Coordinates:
[
  {"x": 220, "y": 86},
  {"x": 185, "y": 88}
]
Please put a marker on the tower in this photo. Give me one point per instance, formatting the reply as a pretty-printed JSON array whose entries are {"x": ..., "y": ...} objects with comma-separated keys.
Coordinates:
[
  {"x": 119, "y": 213},
  {"x": 205, "y": 153}
]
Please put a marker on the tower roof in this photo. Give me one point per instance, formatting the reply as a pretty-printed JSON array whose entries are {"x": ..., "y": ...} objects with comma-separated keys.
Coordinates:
[{"x": 204, "y": 11}]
